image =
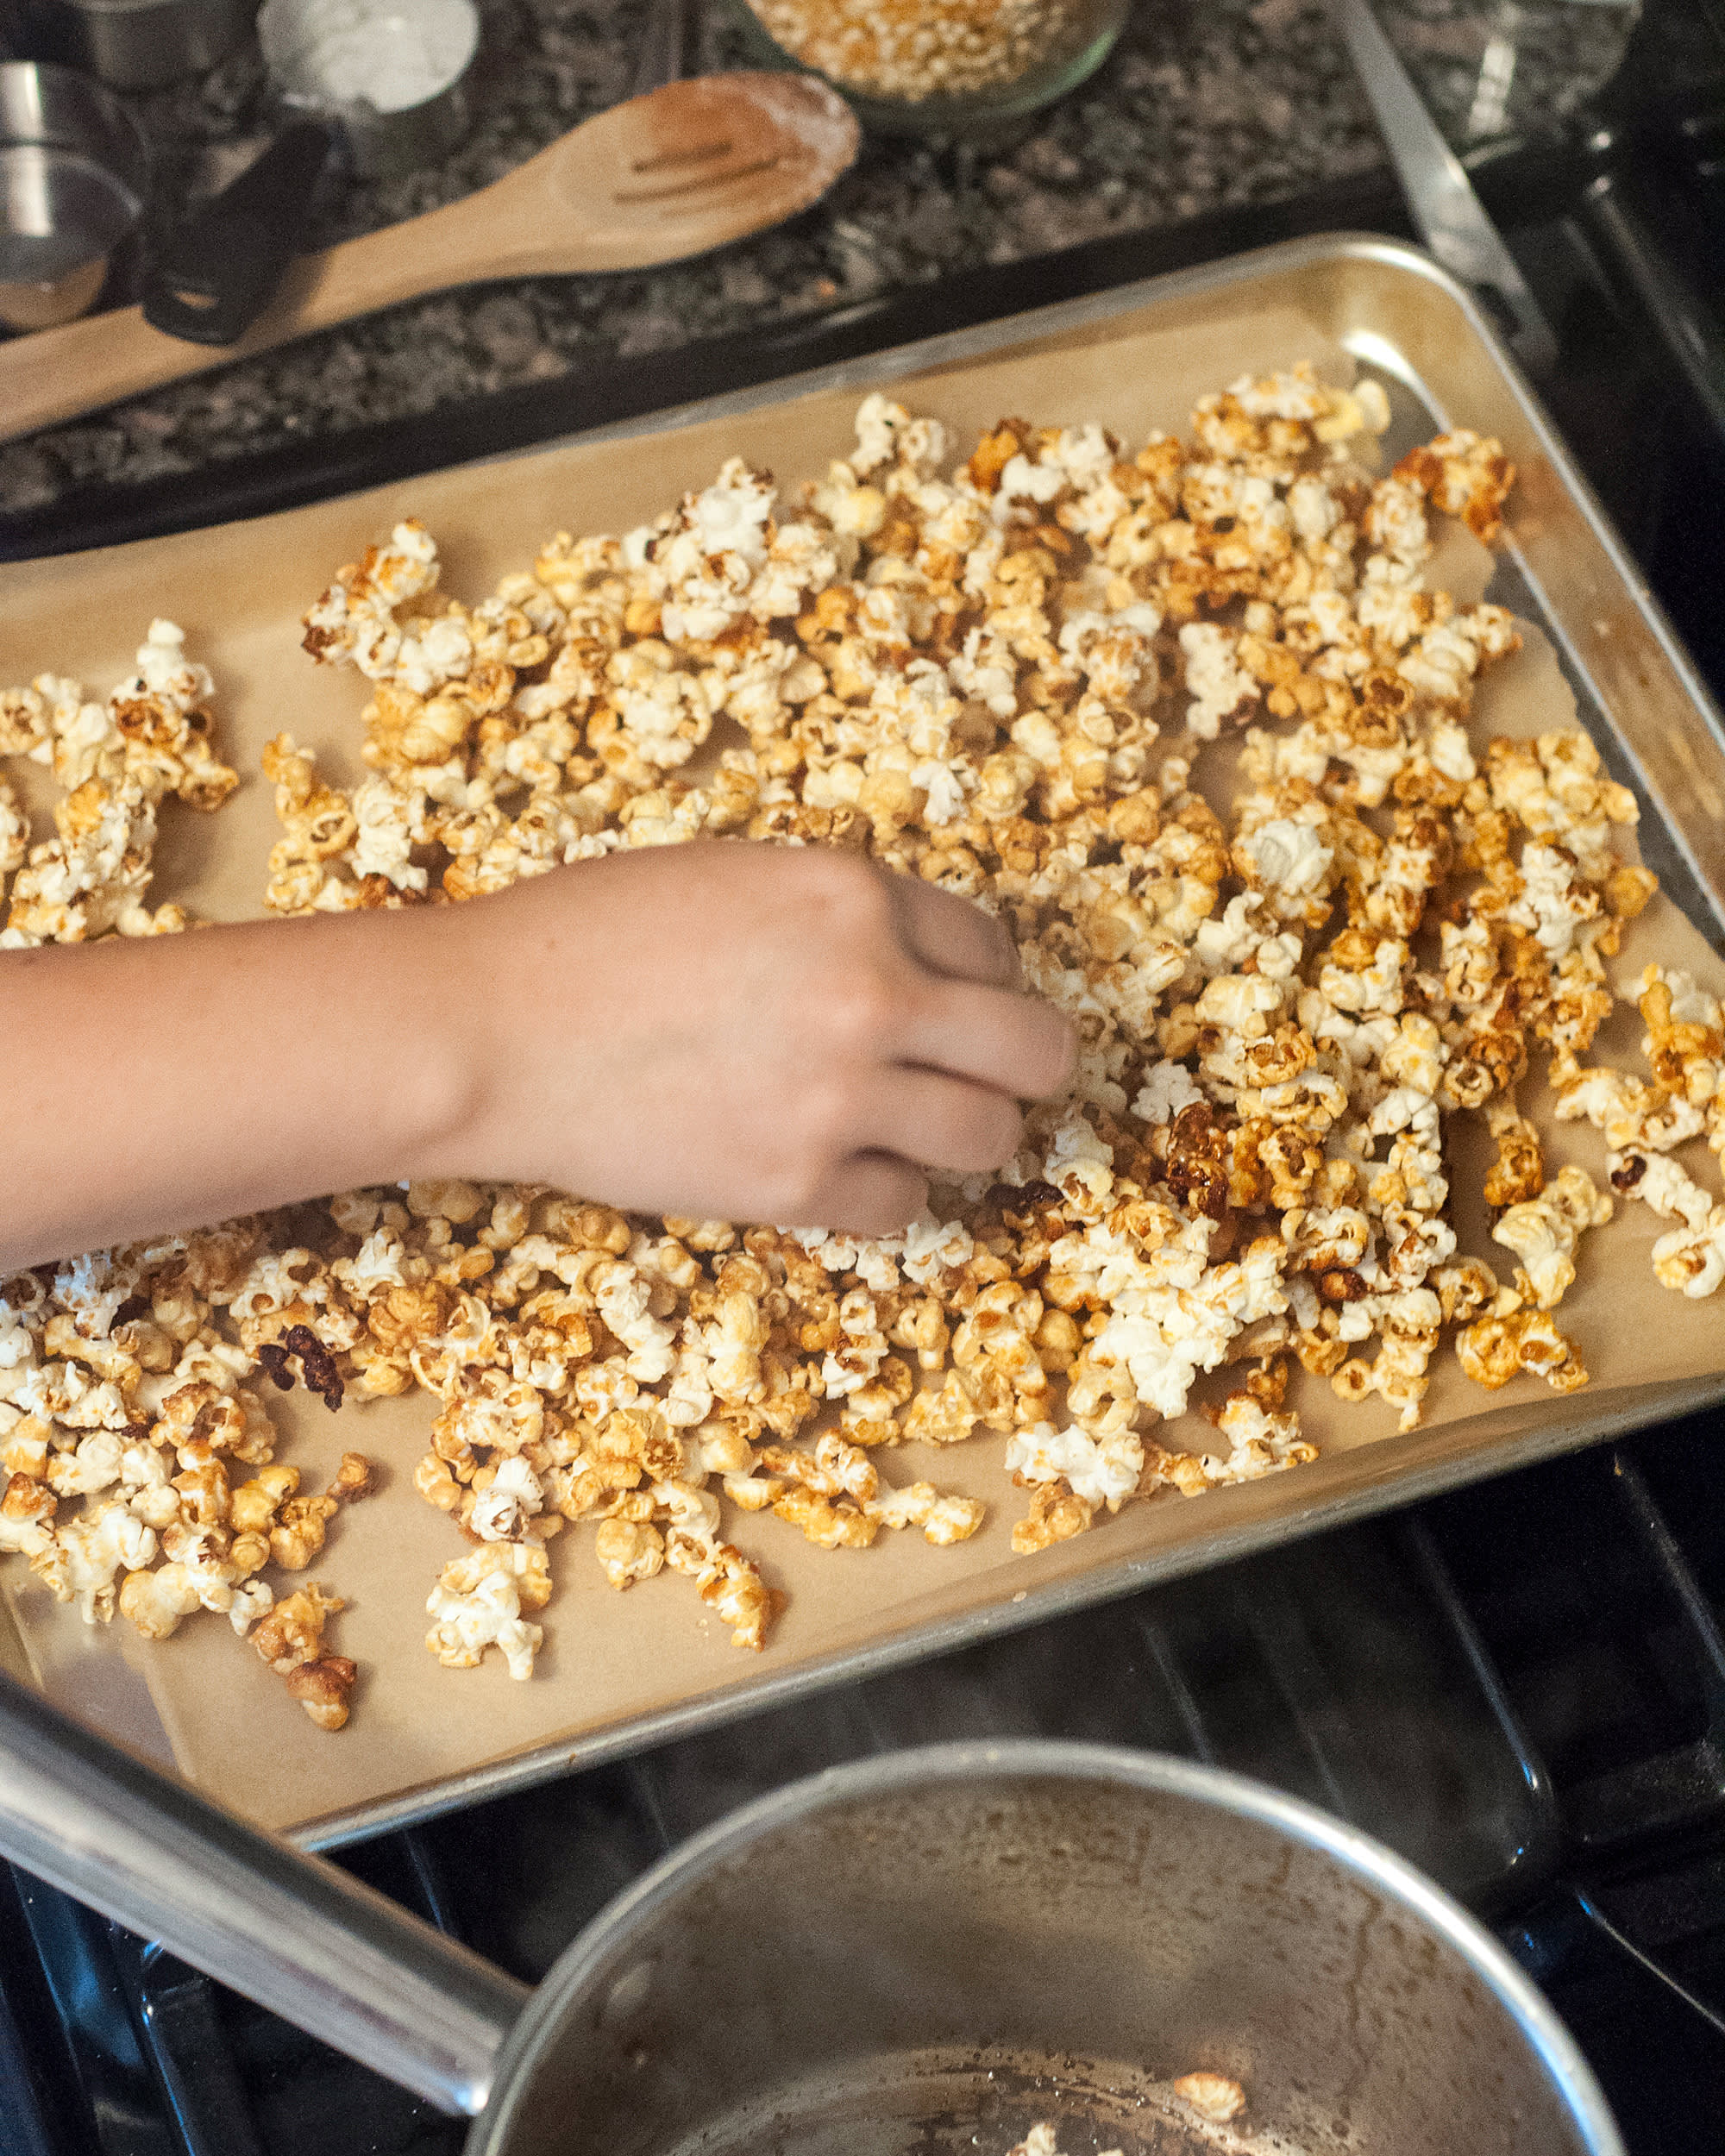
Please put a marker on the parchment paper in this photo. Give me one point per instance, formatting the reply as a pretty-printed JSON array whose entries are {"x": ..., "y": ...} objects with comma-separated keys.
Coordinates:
[{"x": 609, "y": 1659}]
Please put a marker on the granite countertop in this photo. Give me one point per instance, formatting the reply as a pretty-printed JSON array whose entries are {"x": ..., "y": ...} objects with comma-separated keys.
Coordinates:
[{"x": 1204, "y": 104}]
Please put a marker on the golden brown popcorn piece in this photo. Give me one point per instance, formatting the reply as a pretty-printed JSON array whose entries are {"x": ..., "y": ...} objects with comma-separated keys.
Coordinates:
[
  {"x": 1494, "y": 1349},
  {"x": 28, "y": 1505},
  {"x": 155, "y": 1602},
  {"x": 1544, "y": 1230},
  {"x": 829, "y": 1525},
  {"x": 15, "y": 829},
  {"x": 170, "y": 748},
  {"x": 994, "y": 452},
  {"x": 727, "y": 1582},
  {"x": 629, "y": 1550},
  {"x": 1685, "y": 1052},
  {"x": 90, "y": 879},
  {"x": 1464, "y": 1287},
  {"x": 1212, "y": 2096},
  {"x": 318, "y": 827},
  {"x": 298, "y": 1534},
  {"x": 23, "y": 721},
  {"x": 945, "y": 1519},
  {"x": 252, "y": 1513},
  {"x": 197, "y": 1421},
  {"x": 1518, "y": 1171},
  {"x": 1627, "y": 889},
  {"x": 366, "y": 593},
  {"x": 1466, "y": 475},
  {"x": 436, "y": 1484},
  {"x": 355, "y": 1478},
  {"x": 322, "y": 1689},
  {"x": 1056, "y": 1513},
  {"x": 404, "y": 1317},
  {"x": 292, "y": 1632}
]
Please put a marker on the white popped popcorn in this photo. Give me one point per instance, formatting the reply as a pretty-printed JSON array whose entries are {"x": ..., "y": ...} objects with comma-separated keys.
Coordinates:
[
  {"x": 477, "y": 1604},
  {"x": 1220, "y": 689},
  {"x": 1543, "y": 1232}
]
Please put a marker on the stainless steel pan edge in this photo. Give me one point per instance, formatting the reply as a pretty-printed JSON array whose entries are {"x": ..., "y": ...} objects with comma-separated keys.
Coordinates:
[
  {"x": 293, "y": 1933},
  {"x": 1370, "y": 1863},
  {"x": 1622, "y": 656}
]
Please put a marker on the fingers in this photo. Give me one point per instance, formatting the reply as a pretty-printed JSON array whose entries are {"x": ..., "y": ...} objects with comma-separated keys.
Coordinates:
[
  {"x": 1017, "y": 1044},
  {"x": 944, "y": 1123},
  {"x": 870, "y": 1194},
  {"x": 951, "y": 936}
]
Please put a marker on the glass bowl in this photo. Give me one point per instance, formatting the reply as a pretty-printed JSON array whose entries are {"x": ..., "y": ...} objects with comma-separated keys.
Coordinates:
[{"x": 946, "y": 68}]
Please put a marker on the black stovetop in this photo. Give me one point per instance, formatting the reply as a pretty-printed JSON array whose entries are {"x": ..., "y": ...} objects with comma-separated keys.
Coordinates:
[{"x": 1520, "y": 1687}]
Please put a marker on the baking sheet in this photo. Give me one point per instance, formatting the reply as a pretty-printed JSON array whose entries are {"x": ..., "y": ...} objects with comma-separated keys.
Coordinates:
[{"x": 618, "y": 1670}]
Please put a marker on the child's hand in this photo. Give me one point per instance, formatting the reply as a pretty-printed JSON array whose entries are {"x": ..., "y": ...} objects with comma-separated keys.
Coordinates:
[
  {"x": 740, "y": 1032},
  {"x": 732, "y": 1031}
]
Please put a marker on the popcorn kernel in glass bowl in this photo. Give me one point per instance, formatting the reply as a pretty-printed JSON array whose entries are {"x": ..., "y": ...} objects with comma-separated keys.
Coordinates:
[{"x": 937, "y": 66}]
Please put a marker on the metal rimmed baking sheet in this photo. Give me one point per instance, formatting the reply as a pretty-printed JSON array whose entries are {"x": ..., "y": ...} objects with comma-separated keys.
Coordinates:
[{"x": 619, "y": 1672}]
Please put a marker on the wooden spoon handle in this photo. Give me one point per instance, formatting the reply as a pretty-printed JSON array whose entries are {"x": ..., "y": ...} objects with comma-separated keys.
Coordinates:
[
  {"x": 655, "y": 180},
  {"x": 507, "y": 229}
]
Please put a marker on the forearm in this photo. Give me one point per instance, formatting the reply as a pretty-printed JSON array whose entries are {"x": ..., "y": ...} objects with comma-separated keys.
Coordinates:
[
  {"x": 738, "y": 1032},
  {"x": 156, "y": 1085}
]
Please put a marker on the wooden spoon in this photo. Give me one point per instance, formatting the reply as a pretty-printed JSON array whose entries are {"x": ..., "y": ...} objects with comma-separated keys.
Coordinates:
[{"x": 689, "y": 167}]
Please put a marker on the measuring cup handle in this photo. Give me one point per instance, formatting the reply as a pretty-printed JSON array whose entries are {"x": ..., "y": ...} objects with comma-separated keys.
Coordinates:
[
  {"x": 219, "y": 268},
  {"x": 289, "y": 1931}
]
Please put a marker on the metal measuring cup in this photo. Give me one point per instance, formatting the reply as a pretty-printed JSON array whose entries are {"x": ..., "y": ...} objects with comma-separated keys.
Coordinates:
[
  {"x": 73, "y": 177},
  {"x": 392, "y": 78}
]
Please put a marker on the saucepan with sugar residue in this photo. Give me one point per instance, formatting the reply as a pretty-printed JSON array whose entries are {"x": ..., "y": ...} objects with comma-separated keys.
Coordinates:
[{"x": 930, "y": 1951}]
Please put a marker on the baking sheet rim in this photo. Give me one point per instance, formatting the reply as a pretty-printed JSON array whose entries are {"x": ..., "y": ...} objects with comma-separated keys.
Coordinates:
[
  {"x": 1108, "y": 1582},
  {"x": 1112, "y": 1577}
]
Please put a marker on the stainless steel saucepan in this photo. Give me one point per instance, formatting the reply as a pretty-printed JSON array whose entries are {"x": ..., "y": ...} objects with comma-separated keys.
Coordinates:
[{"x": 927, "y": 1951}]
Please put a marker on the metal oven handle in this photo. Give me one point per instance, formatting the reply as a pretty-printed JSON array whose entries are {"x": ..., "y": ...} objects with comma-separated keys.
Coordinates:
[{"x": 289, "y": 1930}]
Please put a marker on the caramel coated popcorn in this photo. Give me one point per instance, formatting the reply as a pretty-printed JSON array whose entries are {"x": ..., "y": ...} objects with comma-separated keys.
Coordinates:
[
  {"x": 140, "y": 1471},
  {"x": 1029, "y": 675},
  {"x": 117, "y": 761}
]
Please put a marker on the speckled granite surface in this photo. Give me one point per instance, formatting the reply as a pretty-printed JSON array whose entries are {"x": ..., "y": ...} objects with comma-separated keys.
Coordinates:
[{"x": 1204, "y": 103}]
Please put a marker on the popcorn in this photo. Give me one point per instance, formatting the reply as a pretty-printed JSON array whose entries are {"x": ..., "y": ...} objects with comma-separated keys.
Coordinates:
[
  {"x": 116, "y": 762},
  {"x": 1500, "y": 1346},
  {"x": 478, "y": 1602},
  {"x": 1056, "y": 1513},
  {"x": 15, "y": 832},
  {"x": 629, "y": 1550},
  {"x": 355, "y": 621},
  {"x": 1630, "y": 1113},
  {"x": 79, "y": 1561},
  {"x": 1543, "y": 1232},
  {"x": 1221, "y": 690},
  {"x": 1212, "y": 2096},
  {"x": 1690, "y": 1259},
  {"x": 1465, "y": 476},
  {"x": 290, "y": 1638},
  {"x": 1000, "y": 677},
  {"x": 944, "y": 1519},
  {"x": 90, "y": 879}
]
